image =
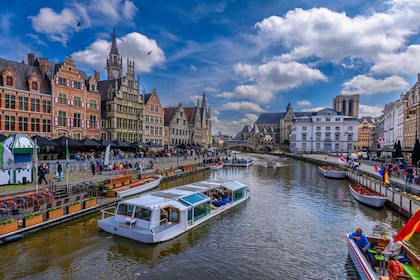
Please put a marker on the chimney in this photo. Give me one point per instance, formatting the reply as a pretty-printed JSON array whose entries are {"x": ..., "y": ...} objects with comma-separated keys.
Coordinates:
[
  {"x": 31, "y": 59},
  {"x": 43, "y": 65},
  {"x": 96, "y": 75}
]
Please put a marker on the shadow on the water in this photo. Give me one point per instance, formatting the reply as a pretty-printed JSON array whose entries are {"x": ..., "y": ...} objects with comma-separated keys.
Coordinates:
[{"x": 351, "y": 272}]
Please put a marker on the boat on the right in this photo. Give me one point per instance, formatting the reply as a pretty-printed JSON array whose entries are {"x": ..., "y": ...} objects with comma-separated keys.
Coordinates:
[{"x": 367, "y": 196}]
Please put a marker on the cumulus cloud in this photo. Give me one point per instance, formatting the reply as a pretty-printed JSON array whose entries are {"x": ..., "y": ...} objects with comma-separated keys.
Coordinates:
[
  {"x": 133, "y": 46},
  {"x": 304, "y": 103},
  {"x": 313, "y": 109},
  {"x": 272, "y": 77},
  {"x": 60, "y": 26},
  {"x": 57, "y": 26},
  {"x": 365, "y": 85},
  {"x": 404, "y": 62},
  {"x": 242, "y": 106},
  {"x": 232, "y": 127},
  {"x": 371, "y": 111}
]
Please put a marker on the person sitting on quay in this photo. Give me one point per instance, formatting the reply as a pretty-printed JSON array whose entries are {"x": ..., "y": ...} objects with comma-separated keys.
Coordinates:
[{"x": 363, "y": 243}]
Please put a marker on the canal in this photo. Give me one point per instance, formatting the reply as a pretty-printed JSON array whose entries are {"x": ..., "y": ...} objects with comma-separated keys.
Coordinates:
[{"x": 292, "y": 227}]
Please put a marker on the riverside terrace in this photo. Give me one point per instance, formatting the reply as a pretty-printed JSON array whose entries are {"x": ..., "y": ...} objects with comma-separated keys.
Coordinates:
[{"x": 402, "y": 197}]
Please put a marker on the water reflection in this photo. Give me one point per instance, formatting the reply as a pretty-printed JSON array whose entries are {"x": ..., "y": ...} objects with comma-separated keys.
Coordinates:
[{"x": 293, "y": 225}]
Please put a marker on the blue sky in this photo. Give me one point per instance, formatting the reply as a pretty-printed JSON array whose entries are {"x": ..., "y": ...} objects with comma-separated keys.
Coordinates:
[{"x": 247, "y": 56}]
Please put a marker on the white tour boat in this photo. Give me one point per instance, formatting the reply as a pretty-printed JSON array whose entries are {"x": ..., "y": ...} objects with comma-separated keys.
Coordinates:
[
  {"x": 367, "y": 196},
  {"x": 165, "y": 214},
  {"x": 238, "y": 162}
]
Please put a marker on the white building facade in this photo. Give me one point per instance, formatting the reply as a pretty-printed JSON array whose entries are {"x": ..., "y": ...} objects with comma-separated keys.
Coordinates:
[{"x": 324, "y": 132}]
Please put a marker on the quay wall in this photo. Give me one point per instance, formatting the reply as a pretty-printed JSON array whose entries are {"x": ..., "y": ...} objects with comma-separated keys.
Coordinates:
[{"x": 394, "y": 192}]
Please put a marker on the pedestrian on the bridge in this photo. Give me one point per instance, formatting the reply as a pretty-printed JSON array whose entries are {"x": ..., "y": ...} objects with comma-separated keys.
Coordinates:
[{"x": 59, "y": 171}]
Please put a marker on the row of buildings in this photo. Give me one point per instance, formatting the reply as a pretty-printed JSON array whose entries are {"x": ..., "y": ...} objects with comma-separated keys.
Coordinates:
[
  {"x": 54, "y": 99},
  {"x": 340, "y": 129}
]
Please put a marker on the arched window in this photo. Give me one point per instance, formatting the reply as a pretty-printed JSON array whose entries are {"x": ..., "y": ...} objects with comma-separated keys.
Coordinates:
[
  {"x": 343, "y": 110},
  {"x": 350, "y": 107}
]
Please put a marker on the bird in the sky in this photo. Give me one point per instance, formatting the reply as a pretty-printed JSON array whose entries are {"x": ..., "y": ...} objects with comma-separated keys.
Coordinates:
[
  {"x": 150, "y": 52},
  {"x": 79, "y": 24}
]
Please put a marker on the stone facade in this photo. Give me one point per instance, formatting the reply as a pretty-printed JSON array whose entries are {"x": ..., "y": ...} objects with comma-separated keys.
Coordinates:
[{"x": 178, "y": 128}]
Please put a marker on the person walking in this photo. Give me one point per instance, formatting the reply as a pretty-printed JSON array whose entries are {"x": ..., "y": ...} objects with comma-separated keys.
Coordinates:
[
  {"x": 93, "y": 168},
  {"x": 59, "y": 171},
  {"x": 42, "y": 170}
]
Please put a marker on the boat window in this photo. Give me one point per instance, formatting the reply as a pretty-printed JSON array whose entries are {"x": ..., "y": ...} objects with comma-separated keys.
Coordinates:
[
  {"x": 238, "y": 194},
  {"x": 201, "y": 210},
  {"x": 143, "y": 213},
  {"x": 126, "y": 210}
]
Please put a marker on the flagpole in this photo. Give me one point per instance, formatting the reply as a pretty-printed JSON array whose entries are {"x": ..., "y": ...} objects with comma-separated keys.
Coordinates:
[
  {"x": 67, "y": 164},
  {"x": 36, "y": 165}
]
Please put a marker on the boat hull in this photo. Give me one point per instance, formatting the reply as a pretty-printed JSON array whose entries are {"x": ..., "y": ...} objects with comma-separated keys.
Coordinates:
[
  {"x": 370, "y": 198},
  {"x": 332, "y": 173},
  {"x": 361, "y": 264},
  {"x": 139, "y": 189},
  {"x": 216, "y": 166}
]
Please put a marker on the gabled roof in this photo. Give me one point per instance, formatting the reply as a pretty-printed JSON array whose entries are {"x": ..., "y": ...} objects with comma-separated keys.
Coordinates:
[
  {"x": 23, "y": 71},
  {"x": 105, "y": 84},
  {"x": 169, "y": 114}
]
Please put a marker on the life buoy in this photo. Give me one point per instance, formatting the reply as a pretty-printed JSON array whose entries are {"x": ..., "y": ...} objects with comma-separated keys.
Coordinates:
[{"x": 394, "y": 268}]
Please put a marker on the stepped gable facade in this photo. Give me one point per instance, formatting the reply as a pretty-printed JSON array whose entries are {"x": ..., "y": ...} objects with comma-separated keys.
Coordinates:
[{"x": 154, "y": 119}]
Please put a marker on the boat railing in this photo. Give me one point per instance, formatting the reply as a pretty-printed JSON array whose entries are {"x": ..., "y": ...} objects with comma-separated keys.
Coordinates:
[{"x": 107, "y": 212}]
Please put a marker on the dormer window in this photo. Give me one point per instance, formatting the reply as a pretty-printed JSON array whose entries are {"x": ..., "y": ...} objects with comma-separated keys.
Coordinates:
[
  {"x": 34, "y": 86},
  {"x": 9, "y": 81}
]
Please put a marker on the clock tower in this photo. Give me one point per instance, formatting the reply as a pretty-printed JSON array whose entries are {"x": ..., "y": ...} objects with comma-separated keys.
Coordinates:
[{"x": 114, "y": 61}]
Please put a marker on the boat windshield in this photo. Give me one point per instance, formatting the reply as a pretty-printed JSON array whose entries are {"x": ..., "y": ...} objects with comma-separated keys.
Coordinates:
[
  {"x": 142, "y": 213},
  {"x": 125, "y": 209}
]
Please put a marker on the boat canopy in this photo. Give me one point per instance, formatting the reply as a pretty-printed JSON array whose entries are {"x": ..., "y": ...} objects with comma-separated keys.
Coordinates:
[{"x": 194, "y": 199}]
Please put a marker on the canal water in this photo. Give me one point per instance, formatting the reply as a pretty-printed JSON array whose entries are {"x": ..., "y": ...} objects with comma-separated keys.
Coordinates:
[{"x": 292, "y": 227}]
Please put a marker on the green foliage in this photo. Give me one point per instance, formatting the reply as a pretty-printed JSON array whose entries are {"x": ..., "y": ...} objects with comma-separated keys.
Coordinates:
[
  {"x": 74, "y": 203},
  {"x": 89, "y": 198},
  {"x": 54, "y": 208},
  {"x": 8, "y": 221},
  {"x": 32, "y": 215}
]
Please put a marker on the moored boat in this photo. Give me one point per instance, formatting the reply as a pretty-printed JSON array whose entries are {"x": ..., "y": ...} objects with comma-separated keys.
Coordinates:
[
  {"x": 245, "y": 162},
  {"x": 216, "y": 166},
  {"x": 367, "y": 196},
  {"x": 404, "y": 264},
  {"x": 138, "y": 186},
  {"x": 271, "y": 164},
  {"x": 165, "y": 214},
  {"x": 332, "y": 172}
]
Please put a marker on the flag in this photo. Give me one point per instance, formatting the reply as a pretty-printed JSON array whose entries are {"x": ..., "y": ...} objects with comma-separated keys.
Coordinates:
[
  {"x": 386, "y": 178},
  {"x": 381, "y": 140},
  {"x": 376, "y": 169},
  {"x": 341, "y": 160},
  {"x": 35, "y": 155},
  {"x": 67, "y": 155},
  {"x": 411, "y": 227}
]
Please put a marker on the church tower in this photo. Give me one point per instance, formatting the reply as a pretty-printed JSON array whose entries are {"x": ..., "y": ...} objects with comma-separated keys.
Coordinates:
[{"x": 114, "y": 61}]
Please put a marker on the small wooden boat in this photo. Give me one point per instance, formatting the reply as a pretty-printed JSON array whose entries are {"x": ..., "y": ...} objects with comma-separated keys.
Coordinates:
[
  {"x": 138, "y": 186},
  {"x": 367, "y": 196},
  {"x": 271, "y": 164},
  {"x": 332, "y": 172},
  {"x": 217, "y": 166},
  {"x": 165, "y": 214},
  {"x": 364, "y": 268}
]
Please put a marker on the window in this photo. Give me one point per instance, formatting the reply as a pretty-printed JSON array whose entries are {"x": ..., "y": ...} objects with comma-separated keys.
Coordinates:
[
  {"x": 62, "y": 98},
  {"x": 9, "y": 122},
  {"x": 304, "y": 128},
  {"x": 9, "y": 81},
  {"x": 76, "y": 85},
  {"x": 10, "y": 101},
  {"x": 46, "y": 125},
  {"x": 93, "y": 105},
  {"x": 303, "y": 136},
  {"x": 318, "y": 128},
  {"x": 337, "y": 119},
  {"x": 92, "y": 87},
  {"x": 35, "y": 105},
  {"x": 23, "y": 124},
  {"x": 77, "y": 121},
  {"x": 23, "y": 103},
  {"x": 62, "y": 81},
  {"x": 77, "y": 101},
  {"x": 147, "y": 118},
  {"x": 35, "y": 125},
  {"x": 92, "y": 121},
  {"x": 34, "y": 86},
  {"x": 318, "y": 119},
  {"x": 327, "y": 128},
  {"x": 62, "y": 118},
  {"x": 328, "y": 119},
  {"x": 337, "y": 128},
  {"x": 46, "y": 106}
]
